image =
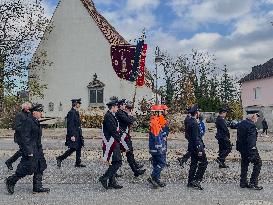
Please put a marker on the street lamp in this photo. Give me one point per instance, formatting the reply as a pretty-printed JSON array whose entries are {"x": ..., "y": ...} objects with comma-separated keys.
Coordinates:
[{"x": 158, "y": 60}]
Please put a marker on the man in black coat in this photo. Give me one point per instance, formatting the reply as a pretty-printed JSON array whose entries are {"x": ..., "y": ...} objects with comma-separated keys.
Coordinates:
[
  {"x": 33, "y": 160},
  {"x": 246, "y": 145},
  {"x": 74, "y": 138},
  {"x": 265, "y": 126},
  {"x": 196, "y": 148},
  {"x": 223, "y": 137},
  {"x": 19, "y": 119},
  {"x": 182, "y": 160},
  {"x": 111, "y": 146},
  {"x": 125, "y": 118}
]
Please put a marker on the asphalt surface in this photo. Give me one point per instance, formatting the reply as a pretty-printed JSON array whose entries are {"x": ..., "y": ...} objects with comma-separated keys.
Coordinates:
[{"x": 79, "y": 186}]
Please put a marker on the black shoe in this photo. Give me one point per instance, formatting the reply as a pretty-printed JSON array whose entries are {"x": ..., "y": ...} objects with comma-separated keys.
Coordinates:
[
  {"x": 139, "y": 172},
  {"x": 114, "y": 186},
  {"x": 139, "y": 166},
  {"x": 9, "y": 165},
  {"x": 9, "y": 186},
  {"x": 195, "y": 185},
  {"x": 41, "y": 190},
  {"x": 223, "y": 166},
  {"x": 181, "y": 161},
  {"x": 152, "y": 182},
  {"x": 104, "y": 182},
  {"x": 118, "y": 175},
  {"x": 59, "y": 162},
  {"x": 160, "y": 184},
  {"x": 80, "y": 165},
  {"x": 255, "y": 187}
]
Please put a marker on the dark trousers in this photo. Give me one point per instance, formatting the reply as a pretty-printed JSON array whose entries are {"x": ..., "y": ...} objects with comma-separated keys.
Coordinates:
[
  {"x": 264, "y": 131},
  {"x": 112, "y": 171},
  {"x": 257, "y": 165},
  {"x": 24, "y": 168},
  {"x": 69, "y": 152},
  {"x": 159, "y": 162},
  {"x": 14, "y": 157},
  {"x": 224, "y": 149},
  {"x": 186, "y": 157},
  {"x": 198, "y": 167},
  {"x": 131, "y": 161}
]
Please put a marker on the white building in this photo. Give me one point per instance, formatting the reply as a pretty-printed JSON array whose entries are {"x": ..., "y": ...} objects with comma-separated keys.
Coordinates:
[{"x": 78, "y": 46}]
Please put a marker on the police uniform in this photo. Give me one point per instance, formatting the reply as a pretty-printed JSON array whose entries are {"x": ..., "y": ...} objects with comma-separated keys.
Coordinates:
[
  {"x": 223, "y": 137},
  {"x": 196, "y": 148},
  {"x": 246, "y": 145},
  {"x": 111, "y": 147},
  {"x": 73, "y": 130},
  {"x": 19, "y": 119},
  {"x": 125, "y": 121},
  {"x": 33, "y": 160}
]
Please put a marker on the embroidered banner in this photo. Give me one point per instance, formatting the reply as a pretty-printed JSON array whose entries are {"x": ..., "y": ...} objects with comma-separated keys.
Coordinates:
[
  {"x": 123, "y": 60},
  {"x": 141, "y": 74}
]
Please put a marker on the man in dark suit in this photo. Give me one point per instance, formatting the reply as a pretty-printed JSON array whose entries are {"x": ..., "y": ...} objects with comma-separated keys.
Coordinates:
[
  {"x": 196, "y": 148},
  {"x": 265, "y": 126},
  {"x": 74, "y": 138},
  {"x": 111, "y": 146},
  {"x": 19, "y": 119},
  {"x": 223, "y": 137},
  {"x": 126, "y": 119},
  {"x": 246, "y": 145},
  {"x": 33, "y": 160}
]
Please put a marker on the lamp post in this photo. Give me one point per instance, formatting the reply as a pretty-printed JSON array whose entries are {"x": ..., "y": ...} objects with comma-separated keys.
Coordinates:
[{"x": 158, "y": 60}]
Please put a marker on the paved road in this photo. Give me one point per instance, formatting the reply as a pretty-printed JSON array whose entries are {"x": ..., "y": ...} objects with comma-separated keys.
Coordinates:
[{"x": 79, "y": 186}]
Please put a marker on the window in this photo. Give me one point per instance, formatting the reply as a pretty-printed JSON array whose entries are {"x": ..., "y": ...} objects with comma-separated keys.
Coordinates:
[
  {"x": 51, "y": 106},
  {"x": 96, "y": 96},
  {"x": 257, "y": 93}
]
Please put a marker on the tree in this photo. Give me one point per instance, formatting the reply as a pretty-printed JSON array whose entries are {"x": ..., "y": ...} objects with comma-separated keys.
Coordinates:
[
  {"x": 22, "y": 24},
  {"x": 227, "y": 88}
]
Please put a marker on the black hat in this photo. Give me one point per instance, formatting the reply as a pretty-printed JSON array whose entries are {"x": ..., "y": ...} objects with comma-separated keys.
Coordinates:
[
  {"x": 76, "y": 101},
  {"x": 193, "y": 109},
  {"x": 122, "y": 101},
  {"x": 221, "y": 110},
  {"x": 129, "y": 104},
  {"x": 37, "y": 108},
  {"x": 113, "y": 102},
  {"x": 253, "y": 112}
]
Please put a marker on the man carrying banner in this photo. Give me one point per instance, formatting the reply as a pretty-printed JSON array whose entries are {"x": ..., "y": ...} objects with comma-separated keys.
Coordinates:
[
  {"x": 157, "y": 147},
  {"x": 111, "y": 146},
  {"x": 125, "y": 118}
]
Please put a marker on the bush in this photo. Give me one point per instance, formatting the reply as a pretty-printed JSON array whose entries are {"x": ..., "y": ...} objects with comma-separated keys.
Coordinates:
[{"x": 91, "y": 121}]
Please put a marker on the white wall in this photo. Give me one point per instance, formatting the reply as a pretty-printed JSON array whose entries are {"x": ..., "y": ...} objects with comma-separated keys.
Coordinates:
[{"x": 78, "y": 49}]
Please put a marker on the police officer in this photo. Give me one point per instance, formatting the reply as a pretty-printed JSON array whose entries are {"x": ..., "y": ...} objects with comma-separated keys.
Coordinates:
[
  {"x": 33, "y": 160},
  {"x": 125, "y": 118},
  {"x": 223, "y": 137},
  {"x": 74, "y": 138},
  {"x": 111, "y": 146},
  {"x": 246, "y": 145},
  {"x": 197, "y": 151},
  {"x": 19, "y": 119}
]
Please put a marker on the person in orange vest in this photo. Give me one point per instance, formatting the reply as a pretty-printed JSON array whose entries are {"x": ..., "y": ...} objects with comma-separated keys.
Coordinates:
[{"x": 157, "y": 147}]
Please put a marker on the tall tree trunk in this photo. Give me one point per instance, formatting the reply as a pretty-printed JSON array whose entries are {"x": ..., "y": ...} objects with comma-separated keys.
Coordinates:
[{"x": 1, "y": 85}]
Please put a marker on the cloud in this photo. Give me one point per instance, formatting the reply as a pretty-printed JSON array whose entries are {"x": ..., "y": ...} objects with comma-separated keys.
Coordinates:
[{"x": 142, "y": 4}]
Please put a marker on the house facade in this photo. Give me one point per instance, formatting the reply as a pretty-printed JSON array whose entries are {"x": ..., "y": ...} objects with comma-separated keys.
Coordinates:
[
  {"x": 78, "y": 49},
  {"x": 257, "y": 91}
]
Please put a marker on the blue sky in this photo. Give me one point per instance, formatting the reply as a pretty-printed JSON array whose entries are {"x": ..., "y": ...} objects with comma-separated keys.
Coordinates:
[{"x": 238, "y": 32}]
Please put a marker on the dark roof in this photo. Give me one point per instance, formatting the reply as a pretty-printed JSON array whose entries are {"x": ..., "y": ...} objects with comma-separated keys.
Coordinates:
[{"x": 260, "y": 72}]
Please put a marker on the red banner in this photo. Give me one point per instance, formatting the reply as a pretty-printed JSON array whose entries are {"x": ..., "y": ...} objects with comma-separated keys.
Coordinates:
[{"x": 141, "y": 74}]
